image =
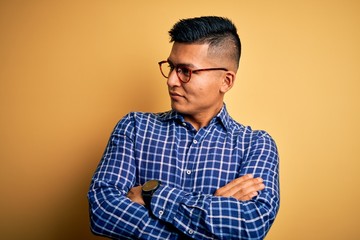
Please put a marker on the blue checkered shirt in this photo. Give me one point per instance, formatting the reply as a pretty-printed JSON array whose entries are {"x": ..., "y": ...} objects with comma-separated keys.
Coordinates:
[{"x": 191, "y": 166}]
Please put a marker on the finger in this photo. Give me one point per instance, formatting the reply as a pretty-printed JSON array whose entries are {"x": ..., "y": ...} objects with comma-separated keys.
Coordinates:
[
  {"x": 133, "y": 191},
  {"x": 253, "y": 186},
  {"x": 251, "y": 191},
  {"x": 221, "y": 191},
  {"x": 238, "y": 181},
  {"x": 130, "y": 193},
  {"x": 248, "y": 197},
  {"x": 242, "y": 188}
]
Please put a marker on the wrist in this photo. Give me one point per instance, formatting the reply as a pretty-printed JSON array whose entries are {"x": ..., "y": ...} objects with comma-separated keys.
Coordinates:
[{"x": 148, "y": 189}]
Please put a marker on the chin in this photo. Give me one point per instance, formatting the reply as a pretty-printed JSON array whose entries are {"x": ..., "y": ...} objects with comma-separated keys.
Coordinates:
[{"x": 178, "y": 108}]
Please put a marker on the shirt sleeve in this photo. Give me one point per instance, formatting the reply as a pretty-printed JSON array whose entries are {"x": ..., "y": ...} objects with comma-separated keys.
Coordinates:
[
  {"x": 208, "y": 217},
  {"x": 112, "y": 214}
]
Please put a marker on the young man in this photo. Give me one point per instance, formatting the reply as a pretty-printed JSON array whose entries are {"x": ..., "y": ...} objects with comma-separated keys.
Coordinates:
[{"x": 192, "y": 172}]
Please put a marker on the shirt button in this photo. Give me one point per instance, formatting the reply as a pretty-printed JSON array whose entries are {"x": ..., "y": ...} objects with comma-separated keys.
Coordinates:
[
  {"x": 184, "y": 124},
  {"x": 188, "y": 172},
  {"x": 190, "y": 231},
  {"x": 161, "y": 212},
  {"x": 195, "y": 141}
]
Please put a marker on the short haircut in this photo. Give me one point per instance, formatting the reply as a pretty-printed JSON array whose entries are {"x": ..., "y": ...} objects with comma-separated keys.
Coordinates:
[{"x": 219, "y": 32}]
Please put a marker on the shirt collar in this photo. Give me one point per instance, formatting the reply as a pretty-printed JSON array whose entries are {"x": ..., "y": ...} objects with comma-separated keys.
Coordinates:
[
  {"x": 172, "y": 115},
  {"x": 223, "y": 117}
]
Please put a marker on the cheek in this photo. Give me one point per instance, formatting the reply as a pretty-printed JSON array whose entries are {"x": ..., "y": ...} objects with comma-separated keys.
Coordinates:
[
  {"x": 202, "y": 91},
  {"x": 209, "y": 89},
  {"x": 204, "y": 95},
  {"x": 197, "y": 92}
]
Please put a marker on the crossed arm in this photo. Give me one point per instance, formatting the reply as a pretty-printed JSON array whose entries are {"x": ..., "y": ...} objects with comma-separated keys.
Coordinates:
[
  {"x": 194, "y": 214},
  {"x": 243, "y": 188},
  {"x": 120, "y": 214}
]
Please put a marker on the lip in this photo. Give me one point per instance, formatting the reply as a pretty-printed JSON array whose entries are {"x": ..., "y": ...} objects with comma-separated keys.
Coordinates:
[{"x": 175, "y": 95}]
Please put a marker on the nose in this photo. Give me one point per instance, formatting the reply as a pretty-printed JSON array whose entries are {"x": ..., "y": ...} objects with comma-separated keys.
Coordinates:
[{"x": 173, "y": 79}]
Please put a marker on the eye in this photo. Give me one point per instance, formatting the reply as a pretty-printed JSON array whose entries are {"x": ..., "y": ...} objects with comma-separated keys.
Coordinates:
[
  {"x": 171, "y": 66},
  {"x": 184, "y": 70}
]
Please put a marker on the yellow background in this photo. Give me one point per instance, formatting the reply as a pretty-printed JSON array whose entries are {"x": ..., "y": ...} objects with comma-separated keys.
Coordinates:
[{"x": 69, "y": 70}]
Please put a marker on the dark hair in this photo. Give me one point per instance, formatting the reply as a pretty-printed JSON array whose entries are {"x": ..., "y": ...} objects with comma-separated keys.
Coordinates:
[{"x": 218, "y": 32}]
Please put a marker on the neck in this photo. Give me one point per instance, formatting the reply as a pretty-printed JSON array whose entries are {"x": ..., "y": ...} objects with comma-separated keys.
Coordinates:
[{"x": 201, "y": 119}]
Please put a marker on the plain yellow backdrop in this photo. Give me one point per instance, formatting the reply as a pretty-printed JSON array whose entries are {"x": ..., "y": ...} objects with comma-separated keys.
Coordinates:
[{"x": 69, "y": 70}]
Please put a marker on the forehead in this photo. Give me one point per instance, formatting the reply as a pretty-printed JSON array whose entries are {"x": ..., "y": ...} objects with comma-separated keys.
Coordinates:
[{"x": 189, "y": 53}]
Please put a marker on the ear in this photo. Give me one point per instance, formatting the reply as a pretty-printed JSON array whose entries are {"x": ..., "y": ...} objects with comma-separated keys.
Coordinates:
[{"x": 228, "y": 81}]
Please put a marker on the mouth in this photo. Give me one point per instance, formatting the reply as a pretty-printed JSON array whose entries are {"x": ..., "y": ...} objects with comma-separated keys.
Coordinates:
[{"x": 175, "y": 95}]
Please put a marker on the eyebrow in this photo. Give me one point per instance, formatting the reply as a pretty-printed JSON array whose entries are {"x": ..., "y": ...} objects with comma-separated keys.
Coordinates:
[{"x": 181, "y": 64}]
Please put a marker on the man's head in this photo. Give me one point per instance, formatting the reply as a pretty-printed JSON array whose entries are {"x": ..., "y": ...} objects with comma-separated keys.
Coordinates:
[
  {"x": 201, "y": 66},
  {"x": 220, "y": 33}
]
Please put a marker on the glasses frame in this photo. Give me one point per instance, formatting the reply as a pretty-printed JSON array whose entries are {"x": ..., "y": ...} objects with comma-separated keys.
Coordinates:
[{"x": 187, "y": 68}]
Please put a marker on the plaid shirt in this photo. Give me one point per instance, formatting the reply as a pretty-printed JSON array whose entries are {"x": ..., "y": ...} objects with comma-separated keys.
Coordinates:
[{"x": 191, "y": 166}]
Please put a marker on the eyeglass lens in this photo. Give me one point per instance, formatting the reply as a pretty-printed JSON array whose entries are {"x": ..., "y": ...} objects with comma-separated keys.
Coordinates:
[{"x": 182, "y": 72}]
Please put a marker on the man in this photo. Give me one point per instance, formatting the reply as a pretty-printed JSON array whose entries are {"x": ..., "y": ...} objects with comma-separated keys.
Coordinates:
[{"x": 192, "y": 172}]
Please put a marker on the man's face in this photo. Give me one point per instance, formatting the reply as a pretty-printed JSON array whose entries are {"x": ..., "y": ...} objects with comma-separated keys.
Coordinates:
[{"x": 202, "y": 95}]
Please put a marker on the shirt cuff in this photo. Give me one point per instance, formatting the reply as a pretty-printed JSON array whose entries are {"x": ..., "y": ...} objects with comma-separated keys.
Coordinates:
[{"x": 165, "y": 202}]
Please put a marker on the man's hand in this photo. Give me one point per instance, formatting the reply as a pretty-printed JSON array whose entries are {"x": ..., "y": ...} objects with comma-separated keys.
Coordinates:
[
  {"x": 243, "y": 188},
  {"x": 135, "y": 195}
]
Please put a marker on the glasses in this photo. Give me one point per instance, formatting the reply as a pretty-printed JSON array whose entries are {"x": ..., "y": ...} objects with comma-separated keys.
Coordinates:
[{"x": 183, "y": 73}]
